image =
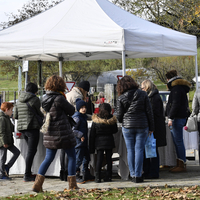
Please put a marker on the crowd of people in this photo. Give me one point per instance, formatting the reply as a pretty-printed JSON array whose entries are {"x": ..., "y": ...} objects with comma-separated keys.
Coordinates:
[{"x": 139, "y": 109}]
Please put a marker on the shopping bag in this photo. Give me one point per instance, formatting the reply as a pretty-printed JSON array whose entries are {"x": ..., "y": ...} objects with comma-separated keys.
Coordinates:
[
  {"x": 17, "y": 134},
  {"x": 191, "y": 124},
  {"x": 150, "y": 147}
]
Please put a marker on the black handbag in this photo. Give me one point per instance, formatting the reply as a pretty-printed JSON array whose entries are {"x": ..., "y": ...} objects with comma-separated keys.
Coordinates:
[{"x": 39, "y": 119}]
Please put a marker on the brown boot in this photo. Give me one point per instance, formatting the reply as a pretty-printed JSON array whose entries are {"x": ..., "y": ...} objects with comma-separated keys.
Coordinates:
[
  {"x": 72, "y": 182},
  {"x": 39, "y": 180},
  {"x": 181, "y": 167},
  {"x": 177, "y": 164}
]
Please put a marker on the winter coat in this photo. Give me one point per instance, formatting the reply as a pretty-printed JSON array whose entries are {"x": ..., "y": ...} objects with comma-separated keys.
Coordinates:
[
  {"x": 101, "y": 133},
  {"x": 59, "y": 134},
  {"x": 159, "y": 118},
  {"x": 6, "y": 130},
  {"x": 134, "y": 110},
  {"x": 177, "y": 105},
  {"x": 81, "y": 127},
  {"x": 74, "y": 94},
  {"x": 26, "y": 118},
  {"x": 196, "y": 104}
]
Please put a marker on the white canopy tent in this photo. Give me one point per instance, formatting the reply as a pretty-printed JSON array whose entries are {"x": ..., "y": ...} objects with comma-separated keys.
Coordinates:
[{"x": 91, "y": 30}]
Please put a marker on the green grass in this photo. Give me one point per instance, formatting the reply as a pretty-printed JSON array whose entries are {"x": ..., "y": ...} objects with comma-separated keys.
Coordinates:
[
  {"x": 192, "y": 192},
  {"x": 9, "y": 86}
]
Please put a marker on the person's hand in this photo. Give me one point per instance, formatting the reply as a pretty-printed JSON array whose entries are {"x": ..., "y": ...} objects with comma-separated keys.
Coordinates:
[
  {"x": 150, "y": 132},
  {"x": 82, "y": 139},
  {"x": 5, "y": 146},
  {"x": 170, "y": 123}
]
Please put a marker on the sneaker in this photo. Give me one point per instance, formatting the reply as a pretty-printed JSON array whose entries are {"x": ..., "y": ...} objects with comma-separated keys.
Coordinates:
[
  {"x": 137, "y": 179},
  {"x": 80, "y": 181},
  {"x": 29, "y": 178},
  {"x": 7, "y": 170},
  {"x": 4, "y": 177}
]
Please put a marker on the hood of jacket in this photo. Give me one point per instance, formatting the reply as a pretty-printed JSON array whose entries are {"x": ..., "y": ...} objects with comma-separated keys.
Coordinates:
[
  {"x": 178, "y": 81},
  {"x": 98, "y": 120},
  {"x": 48, "y": 100},
  {"x": 26, "y": 96},
  {"x": 152, "y": 93}
]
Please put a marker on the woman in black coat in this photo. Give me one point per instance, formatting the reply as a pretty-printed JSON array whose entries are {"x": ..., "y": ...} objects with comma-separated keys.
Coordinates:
[{"x": 151, "y": 165}]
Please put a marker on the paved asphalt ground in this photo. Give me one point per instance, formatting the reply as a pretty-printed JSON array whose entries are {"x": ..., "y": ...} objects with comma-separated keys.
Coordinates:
[{"x": 192, "y": 177}]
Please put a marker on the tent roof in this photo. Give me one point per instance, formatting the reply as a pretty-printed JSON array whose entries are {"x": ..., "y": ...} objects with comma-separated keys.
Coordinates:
[{"x": 91, "y": 30}]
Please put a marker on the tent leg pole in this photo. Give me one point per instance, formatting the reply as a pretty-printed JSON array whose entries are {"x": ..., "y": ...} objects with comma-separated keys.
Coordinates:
[
  {"x": 60, "y": 66},
  {"x": 196, "y": 73},
  {"x": 123, "y": 64},
  {"x": 40, "y": 84}
]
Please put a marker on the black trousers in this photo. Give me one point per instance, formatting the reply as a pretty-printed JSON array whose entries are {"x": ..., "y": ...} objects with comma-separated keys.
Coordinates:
[
  {"x": 100, "y": 157},
  {"x": 32, "y": 140},
  {"x": 63, "y": 160}
]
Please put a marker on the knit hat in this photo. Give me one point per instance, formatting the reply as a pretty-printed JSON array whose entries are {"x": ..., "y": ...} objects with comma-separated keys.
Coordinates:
[
  {"x": 80, "y": 103},
  {"x": 85, "y": 85}
]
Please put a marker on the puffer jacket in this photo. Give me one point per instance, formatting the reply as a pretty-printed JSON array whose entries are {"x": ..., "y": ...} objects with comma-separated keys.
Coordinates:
[
  {"x": 101, "y": 133},
  {"x": 177, "y": 105},
  {"x": 159, "y": 119},
  {"x": 82, "y": 127},
  {"x": 26, "y": 118},
  {"x": 74, "y": 94},
  {"x": 134, "y": 110},
  {"x": 59, "y": 134},
  {"x": 6, "y": 130}
]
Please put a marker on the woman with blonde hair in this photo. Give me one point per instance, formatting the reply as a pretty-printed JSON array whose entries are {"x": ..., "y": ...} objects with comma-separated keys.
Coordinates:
[
  {"x": 151, "y": 165},
  {"x": 59, "y": 134}
]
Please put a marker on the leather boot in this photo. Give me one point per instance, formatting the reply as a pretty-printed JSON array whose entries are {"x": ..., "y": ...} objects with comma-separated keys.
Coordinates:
[
  {"x": 62, "y": 172},
  {"x": 177, "y": 164},
  {"x": 181, "y": 167},
  {"x": 98, "y": 177},
  {"x": 72, "y": 182},
  {"x": 108, "y": 177},
  {"x": 65, "y": 175},
  {"x": 39, "y": 180},
  {"x": 87, "y": 176}
]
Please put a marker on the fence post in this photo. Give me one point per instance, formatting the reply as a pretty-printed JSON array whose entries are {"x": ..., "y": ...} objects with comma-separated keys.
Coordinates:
[
  {"x": 4, "y": 96},
  {"x": 14, "y": 97},
  {"x": 8, "y": 96}
]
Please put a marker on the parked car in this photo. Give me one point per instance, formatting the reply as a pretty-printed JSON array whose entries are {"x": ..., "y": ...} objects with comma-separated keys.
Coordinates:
[{"x": 164, "y": 96}]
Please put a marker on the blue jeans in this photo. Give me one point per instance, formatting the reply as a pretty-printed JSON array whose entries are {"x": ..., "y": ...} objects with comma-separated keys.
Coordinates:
[
  {"x": 50, "y": 155},
  {"x": 82, "y": 158},
  {"x": 135, "y": 139},
  {"x": 177, "y": 135}
]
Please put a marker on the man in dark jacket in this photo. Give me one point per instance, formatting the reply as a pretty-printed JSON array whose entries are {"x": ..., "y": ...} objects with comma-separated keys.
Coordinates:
[
  {"x": 177, "y": 112},
  {"x": 28, "y": 124}
]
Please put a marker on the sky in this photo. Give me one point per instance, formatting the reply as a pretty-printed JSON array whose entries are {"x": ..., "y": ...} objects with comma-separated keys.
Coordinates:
[{"x": 11, "y": 6}]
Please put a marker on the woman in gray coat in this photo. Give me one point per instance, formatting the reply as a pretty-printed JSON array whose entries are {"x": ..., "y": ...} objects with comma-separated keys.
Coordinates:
[{"x": 196, "y": 110}]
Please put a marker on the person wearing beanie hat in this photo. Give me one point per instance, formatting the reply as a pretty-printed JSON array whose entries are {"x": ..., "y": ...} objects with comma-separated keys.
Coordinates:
[
  {"x": 85, "y": 85},
  {"x": 82, "y": 151},
  {"x": 78, "y": 92},
  {"x": 80, "y": 103}
]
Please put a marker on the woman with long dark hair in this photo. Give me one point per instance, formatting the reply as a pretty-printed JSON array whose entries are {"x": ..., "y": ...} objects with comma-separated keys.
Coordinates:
[{"x": 135, "y": 113}]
